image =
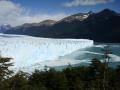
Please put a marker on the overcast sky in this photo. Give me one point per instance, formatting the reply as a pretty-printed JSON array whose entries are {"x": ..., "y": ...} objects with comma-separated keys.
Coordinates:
[{"x": 17, "y": 12}]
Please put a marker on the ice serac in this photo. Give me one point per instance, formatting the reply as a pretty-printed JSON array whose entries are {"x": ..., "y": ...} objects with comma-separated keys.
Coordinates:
[{"x": 27, "y": 50}]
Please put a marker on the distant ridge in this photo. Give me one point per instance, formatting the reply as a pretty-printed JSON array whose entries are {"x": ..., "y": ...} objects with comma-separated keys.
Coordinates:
[{"x": 103, "y": 26}]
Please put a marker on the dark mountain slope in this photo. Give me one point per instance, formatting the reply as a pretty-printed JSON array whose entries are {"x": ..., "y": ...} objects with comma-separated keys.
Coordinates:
[
  {"x": 100, "y": 27},
  {"x": 32, "y": 29},
  {"x": 103, "y": 26}
]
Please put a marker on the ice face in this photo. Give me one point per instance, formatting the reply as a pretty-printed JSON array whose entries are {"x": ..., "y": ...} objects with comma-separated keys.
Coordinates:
[{"x": 26, "y": 50}]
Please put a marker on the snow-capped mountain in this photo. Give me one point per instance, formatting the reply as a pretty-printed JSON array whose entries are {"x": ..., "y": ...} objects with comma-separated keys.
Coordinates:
[
  {"x": 103, "y": 26},
  {"x": 76, "y": 17}
]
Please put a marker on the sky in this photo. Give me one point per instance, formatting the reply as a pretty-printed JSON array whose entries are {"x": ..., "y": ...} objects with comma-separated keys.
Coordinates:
[{"x": 17, "y": 12}]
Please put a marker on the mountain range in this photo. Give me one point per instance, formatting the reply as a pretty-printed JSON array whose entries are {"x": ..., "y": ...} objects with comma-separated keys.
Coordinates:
[{"x": 103, "y": 26}]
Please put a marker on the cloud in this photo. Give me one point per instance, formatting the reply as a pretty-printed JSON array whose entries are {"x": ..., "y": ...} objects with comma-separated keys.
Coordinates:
[
  {"x": 85, "y": 2},
  {"x": 14, "y": 14}
]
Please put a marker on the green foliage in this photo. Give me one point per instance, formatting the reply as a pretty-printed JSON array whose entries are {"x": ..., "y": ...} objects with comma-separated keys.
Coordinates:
[
  {"x": 52, "y": 79},
  {"x": 4, "y": 65},
  {"x": 18, "y": 82},
  {"x": 4, "y": 71},
  {"x": 72, "y": 78}
]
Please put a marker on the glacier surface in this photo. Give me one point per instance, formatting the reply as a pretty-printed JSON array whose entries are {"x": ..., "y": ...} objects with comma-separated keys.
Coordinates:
[{"x": 33, "y": 52}]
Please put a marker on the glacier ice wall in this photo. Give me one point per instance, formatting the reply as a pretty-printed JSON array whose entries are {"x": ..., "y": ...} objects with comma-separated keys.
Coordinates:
[{"x": 27, "y": 50}]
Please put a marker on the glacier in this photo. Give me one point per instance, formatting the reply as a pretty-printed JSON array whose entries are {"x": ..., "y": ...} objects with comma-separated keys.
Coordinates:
[
  {"x": 30, "y": 53},
  {"x": 34, "y": 52}
]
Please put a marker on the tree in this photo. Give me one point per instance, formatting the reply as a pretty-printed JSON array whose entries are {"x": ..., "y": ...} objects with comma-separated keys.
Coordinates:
[
  {"x": 96, "y": 70},
  {"x": 37, "y": 80},
  {"x": 19, "y": 82},
  {"x": 4, "y": 69},
  {"x": 106, "y": 56},
  {"x": 56, "y": 80}
]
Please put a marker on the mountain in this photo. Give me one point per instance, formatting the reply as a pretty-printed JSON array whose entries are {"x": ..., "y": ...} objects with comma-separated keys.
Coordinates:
[
  {"x": 32, "y": 29},
  {"x": 103, "y": 26},
  {"x": 78, "y": 17},
  {"x": 4, "y": 28}
]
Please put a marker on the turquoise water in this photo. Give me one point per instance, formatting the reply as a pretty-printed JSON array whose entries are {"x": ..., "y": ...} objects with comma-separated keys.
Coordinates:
[{"x": 87, "y": 54}]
